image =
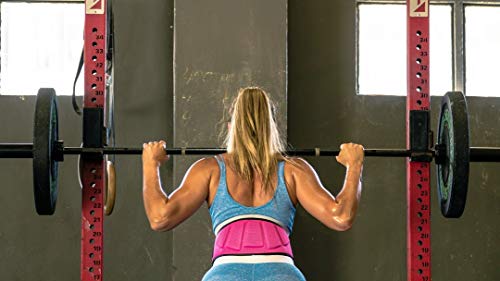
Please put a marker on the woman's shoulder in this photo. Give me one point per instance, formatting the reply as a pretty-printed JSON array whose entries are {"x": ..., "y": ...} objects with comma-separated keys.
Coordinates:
[
  {"x": 293, "y": 163},
  {"x": 298, "y": 168},
  {"x": 204, "y": 165}
]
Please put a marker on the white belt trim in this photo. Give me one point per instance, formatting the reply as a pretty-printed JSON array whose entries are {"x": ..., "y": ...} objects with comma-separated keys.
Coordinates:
[
  {"x": 253, "y": 259},
  {"x": 228, "y": 221}
]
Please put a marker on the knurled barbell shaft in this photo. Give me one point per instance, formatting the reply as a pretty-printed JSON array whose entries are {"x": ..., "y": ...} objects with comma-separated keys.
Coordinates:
[
  {"x": 210, "y": 151},
  {"x": 477, "y": 154}
]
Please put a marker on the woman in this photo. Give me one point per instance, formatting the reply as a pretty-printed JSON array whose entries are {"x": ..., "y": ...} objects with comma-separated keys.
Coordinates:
[{"x": 252, "y": 192}]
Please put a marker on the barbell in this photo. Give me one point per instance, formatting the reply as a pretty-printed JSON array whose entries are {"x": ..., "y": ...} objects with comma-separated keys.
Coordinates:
[{"x": 452, "y": 153}]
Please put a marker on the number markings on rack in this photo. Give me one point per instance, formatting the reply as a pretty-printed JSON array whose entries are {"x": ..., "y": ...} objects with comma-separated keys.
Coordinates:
[
  {"x": 418, "y": 183},
  {"x": 93, "y": 168}
]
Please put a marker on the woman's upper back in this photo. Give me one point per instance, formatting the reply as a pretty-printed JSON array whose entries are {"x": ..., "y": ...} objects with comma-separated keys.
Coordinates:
[{"x": 230, "y": 198}]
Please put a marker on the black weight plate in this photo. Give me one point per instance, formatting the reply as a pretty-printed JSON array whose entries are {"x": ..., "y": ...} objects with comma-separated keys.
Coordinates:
[
  {"x": 45, "y": 167},
  {"x": 453, "y": 172}
]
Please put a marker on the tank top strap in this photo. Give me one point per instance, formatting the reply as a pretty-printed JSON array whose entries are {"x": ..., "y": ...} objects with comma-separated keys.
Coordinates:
[
  {"x": 222, "y": 165},
  {"x": 222, "y": 188},
  {"x": 281, "y": 188},
  {"x": 281, "y": 172}
]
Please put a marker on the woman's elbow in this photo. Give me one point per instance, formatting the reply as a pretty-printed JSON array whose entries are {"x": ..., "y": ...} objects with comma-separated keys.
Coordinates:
[
  {"x": 160, "y": 225},
  {"x": 341, "y": 223}
]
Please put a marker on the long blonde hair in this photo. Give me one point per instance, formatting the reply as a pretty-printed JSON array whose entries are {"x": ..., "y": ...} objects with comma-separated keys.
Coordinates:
[{"x": 253, "y": 141}]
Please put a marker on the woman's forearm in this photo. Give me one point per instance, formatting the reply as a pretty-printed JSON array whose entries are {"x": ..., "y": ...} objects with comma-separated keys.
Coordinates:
[
  {"x": 154, "y": 197},
  {"x": 348, "y": 197}
]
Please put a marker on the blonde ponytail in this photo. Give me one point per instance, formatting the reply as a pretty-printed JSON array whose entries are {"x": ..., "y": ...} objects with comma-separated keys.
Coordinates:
[{"x": 253, "y": 141}]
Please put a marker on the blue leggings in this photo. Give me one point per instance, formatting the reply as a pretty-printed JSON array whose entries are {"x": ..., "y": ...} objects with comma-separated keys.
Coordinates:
[{"x": 254, "y": 272}]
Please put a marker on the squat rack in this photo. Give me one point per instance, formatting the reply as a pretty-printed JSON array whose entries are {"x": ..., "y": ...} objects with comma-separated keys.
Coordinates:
[
  {"x": 418, "y": 229},
  {"x": 93, "y": 174},
  {"x": 94, "y": 107}
]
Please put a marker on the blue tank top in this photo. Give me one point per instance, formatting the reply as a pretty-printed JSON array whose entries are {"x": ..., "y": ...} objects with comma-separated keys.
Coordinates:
[{"x": 225, "y": 209}]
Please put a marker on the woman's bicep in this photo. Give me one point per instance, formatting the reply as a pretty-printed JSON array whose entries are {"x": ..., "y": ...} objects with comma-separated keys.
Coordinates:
[{"x": 315, "y": 198}]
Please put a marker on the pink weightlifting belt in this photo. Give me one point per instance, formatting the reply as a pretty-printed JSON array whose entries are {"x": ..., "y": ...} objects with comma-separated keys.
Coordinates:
[{"x": 252, "y": 237}]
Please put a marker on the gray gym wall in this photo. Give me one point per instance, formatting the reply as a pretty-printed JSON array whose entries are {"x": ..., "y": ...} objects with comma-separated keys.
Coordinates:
[{"x": 323, "y": 111}]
